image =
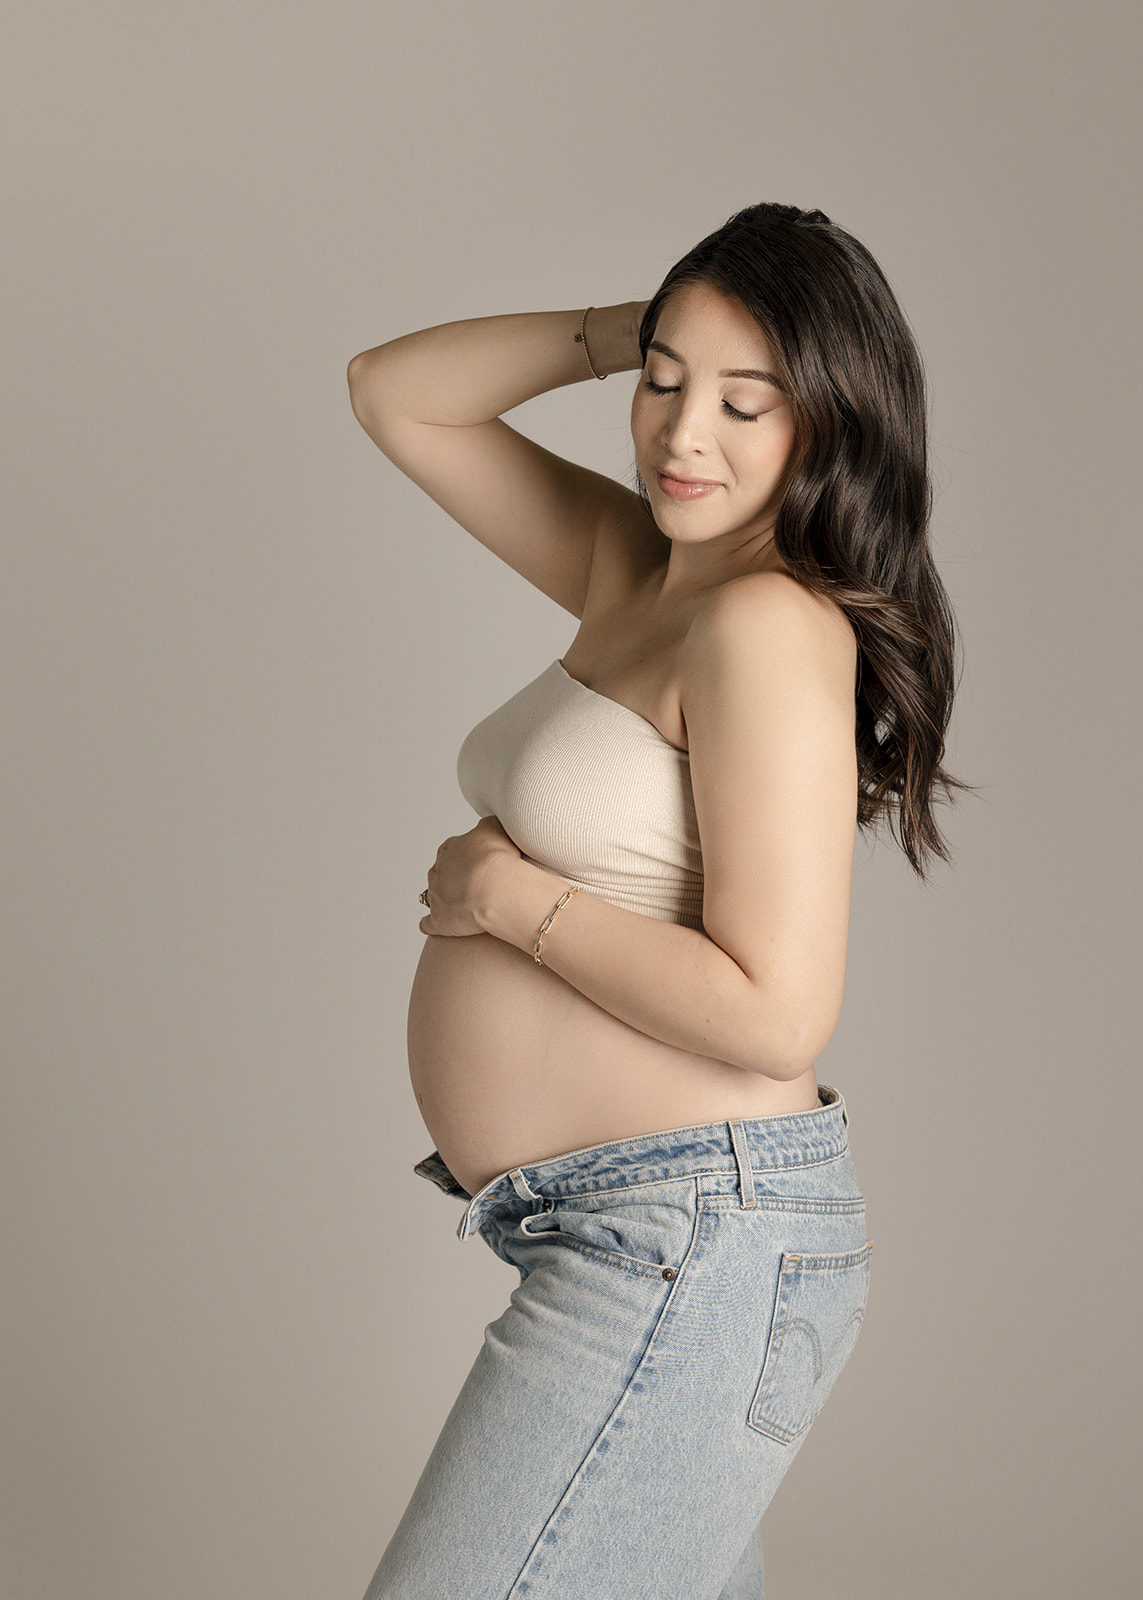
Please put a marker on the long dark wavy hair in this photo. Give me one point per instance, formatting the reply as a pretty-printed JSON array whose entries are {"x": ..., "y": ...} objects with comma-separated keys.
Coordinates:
[{"x": 854, "y": 518}]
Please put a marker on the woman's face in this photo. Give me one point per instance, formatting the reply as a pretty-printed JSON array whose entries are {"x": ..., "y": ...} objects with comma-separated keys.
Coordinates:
[{"x": 713, "y": 433}]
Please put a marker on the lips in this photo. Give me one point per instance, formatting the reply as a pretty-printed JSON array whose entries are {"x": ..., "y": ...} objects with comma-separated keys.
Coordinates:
[{"x": 686, "y": 488}]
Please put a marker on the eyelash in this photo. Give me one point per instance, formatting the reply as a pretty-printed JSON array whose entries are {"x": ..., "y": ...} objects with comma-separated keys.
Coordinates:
[{"x": 739, "y": 416}]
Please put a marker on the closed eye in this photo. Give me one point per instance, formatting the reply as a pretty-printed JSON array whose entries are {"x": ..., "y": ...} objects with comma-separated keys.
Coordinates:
[{"x": 659, "y": 388}]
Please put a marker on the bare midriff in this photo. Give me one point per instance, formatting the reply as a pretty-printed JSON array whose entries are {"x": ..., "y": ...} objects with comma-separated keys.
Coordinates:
[{"x": 511, "y": 1065}]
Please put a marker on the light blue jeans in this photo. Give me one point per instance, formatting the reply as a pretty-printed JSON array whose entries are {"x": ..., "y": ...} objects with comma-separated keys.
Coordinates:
[{"x": 686, "y": 1301}]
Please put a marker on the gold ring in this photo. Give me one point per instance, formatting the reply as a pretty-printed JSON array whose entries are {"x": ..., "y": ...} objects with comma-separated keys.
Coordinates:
[{"x": 424, "y": 897}]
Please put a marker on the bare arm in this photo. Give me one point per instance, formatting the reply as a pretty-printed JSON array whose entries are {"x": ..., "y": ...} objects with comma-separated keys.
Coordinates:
[
  {"x": 462, "y": 373},
  {"x": 432, "y": 402}
]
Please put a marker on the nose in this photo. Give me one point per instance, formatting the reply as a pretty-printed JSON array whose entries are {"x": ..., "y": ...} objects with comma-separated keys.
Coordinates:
[{"x": 686, "y": 428}]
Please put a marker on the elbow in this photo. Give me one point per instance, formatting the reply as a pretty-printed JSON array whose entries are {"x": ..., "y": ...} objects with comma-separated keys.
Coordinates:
[
  {"x": 366, "y": 396},
  {"x": 783, "y": 1066},
  {"x": 356, "y": 375},
  {"x": 786, "y": 1048}
]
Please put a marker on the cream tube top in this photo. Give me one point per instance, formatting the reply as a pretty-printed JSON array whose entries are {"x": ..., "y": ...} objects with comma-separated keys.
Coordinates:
[{"x": 591, "y": 791}]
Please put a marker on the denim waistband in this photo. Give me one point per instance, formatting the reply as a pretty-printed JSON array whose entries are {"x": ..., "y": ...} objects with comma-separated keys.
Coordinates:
[{"x": 801, "y": 1138}]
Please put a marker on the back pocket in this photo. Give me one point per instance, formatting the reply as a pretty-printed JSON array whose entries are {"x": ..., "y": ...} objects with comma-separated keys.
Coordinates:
[{"x": 821, "y": 1303}]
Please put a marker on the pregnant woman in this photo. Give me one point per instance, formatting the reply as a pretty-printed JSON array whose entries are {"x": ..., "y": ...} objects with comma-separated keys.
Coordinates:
[{"x": 636, "y": 956}]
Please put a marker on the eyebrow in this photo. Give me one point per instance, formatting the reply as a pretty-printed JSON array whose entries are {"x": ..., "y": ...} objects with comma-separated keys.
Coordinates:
[{"x": 730, "y": 372}]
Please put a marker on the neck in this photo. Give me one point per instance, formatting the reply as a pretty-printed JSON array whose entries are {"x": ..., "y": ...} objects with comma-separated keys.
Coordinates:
[{"x": 692, "y": 568}]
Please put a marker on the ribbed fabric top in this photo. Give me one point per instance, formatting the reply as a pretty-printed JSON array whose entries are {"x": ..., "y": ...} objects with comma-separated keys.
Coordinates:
[{"x": 590, "y": 790}]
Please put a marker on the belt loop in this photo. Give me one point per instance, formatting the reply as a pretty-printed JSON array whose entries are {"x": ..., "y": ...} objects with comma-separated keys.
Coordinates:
[
  {"x": 520, "y": 1184},
  {"x": 742, "y": 1158}
]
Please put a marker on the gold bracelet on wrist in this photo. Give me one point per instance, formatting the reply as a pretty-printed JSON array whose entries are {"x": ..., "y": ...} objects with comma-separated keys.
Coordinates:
[
  {"x": 581, "y": 338},
  {"x": 538, "y": 947}
]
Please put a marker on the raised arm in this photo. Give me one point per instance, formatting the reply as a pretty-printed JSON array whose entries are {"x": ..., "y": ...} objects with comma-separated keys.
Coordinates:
[{"x": 432, "y": 402}]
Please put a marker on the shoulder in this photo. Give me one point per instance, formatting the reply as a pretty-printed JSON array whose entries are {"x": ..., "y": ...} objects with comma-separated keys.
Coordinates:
[{"x": 767, "y": 626}]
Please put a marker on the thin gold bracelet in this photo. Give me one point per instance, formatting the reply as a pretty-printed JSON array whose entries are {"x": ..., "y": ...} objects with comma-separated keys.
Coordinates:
[
  {"x": 581, "y": 338},
  {"x": 538, "y": 947}
]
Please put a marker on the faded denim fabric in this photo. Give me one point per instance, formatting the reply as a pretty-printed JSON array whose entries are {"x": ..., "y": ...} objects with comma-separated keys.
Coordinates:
[{"x": 686, "y": 1302}]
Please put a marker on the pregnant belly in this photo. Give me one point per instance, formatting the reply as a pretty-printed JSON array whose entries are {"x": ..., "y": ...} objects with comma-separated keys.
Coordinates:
[{"x": 510, "y": 1064}]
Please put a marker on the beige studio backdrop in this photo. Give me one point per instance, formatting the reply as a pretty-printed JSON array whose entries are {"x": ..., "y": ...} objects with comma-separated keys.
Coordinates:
[{"x": 242, "y": 652}]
